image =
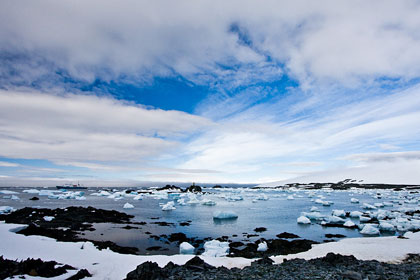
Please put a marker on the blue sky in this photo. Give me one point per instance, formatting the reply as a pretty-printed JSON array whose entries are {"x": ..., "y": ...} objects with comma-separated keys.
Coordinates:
[{"x": 242, "y": 92}]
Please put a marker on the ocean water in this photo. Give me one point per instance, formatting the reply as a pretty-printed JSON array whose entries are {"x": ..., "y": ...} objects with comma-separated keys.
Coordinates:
[{"x": 278, "y": 214}]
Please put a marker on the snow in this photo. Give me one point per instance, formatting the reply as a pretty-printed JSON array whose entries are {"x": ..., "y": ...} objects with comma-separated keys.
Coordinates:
[
  {"x": 105, "y": 264},
  {"x": 48, "y": 218},
  {"x": 215, "y": 248},
  {"x": 128, "y": 206},
  {"x": 369, "y": 229},
  {"x": 186, "y": 248},
  {"x": 168, "y": 206},
  {"x": 224, "y": 215},
  {"x": 303, "y": 220},
  {"x": 262, "y": 247}
]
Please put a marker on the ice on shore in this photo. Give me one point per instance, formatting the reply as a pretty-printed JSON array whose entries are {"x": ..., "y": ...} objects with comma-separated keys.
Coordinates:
[
  {"x": 186, "y": 248},
  {"x": 369, "y": 229},
  {"x": 168, "y": 206},
  {"x": 262, "y": 247},
  {"x": 6, "y": 209},
  {"x": 215, "y": 248},
  {"x": 303, "y": 220},
  {"x": 128, "y": 206},
  {"x": 223, "y": 215},
  {"x": 48, "y": 218}
]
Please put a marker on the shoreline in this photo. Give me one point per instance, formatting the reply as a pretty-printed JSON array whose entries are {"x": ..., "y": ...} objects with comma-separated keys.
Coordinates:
[{"x": 105, "y": 264}]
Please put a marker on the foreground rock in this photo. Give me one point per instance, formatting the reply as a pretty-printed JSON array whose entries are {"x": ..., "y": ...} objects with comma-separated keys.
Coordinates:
[
  {"x": 332, "y": 266},
  {"x": 68, "y": 223},
  {"x": 32, "y": 267}
]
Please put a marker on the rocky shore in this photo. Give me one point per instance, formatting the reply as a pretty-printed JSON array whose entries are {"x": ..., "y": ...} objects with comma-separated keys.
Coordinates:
[{"x": 332, "y": 266}]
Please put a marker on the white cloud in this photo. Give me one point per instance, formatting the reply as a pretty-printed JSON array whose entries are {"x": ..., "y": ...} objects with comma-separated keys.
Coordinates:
[
  {"x": 86, "y": 128},
  {"x": 346, "y": 41},
  {"x": 385, "y": 157},
  {"x": 8, "y": 164}
]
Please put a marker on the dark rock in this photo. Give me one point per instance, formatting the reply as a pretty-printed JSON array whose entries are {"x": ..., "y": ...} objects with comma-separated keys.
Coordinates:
[
  {"x": 217, "y": 187},
  {"x": 163, "y": 224},
  {"x": 184, "y": 224},
  {"x": 147, "y": 270},
  {"x": 80, "y": 275},
  {"x": 329, "y": 235},
  {"x": 260, "y": 229},
  {"x": 352, "y": 275},
  {"x": 197, "y": 263},
  {"x": 265, "y": 260},
  {"x": 34, "y": 198},
  {"x": 32, "y": 267},
  {"x": 178, "y": 237},
  {"x": 193, "y": 188},
  {"x": 287, "y": 235},
  {"x": 169, "y": 187}
]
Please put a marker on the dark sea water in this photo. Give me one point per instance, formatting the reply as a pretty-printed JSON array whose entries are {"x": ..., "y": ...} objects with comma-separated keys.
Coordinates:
[{"x": 278, "y": 214}]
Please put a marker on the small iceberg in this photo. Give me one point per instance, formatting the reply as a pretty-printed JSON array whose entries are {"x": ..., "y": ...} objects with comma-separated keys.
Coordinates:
[
  {"x": 262, "y": 247},
  {"x": 186, "y": 248},
  {"x": 224, "y": 215},
  {"x": 303, "y": 220},
  {"x": 349, "y": 224},
  {"x": 208, "y": 202},
  {"x": 215, "y": 248},
  {"x": 339, "y": 213},
  {"x": 354, "y": 200},
  {"x": 369, "y": 229},
  {"x": 128, "y": 206},
  {"x": 48, "y": 218},
  {"x": 168, "y": 206}
]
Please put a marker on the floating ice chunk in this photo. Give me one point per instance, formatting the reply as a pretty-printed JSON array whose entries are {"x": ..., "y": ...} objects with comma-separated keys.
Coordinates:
[
  {"x": 234, "y": 198},
  {"x": 378, "y": 204},
  {"x": 327, "y": 203},
  {"x": 208, "y": 202},
  {"x": 314, "y": 209},
  {"x": 385, "y": 226},
  {"x": 46, "y": 193},
  {"x": 186, "y": 248},
  {"x": 364, "y": 219},
  {"x": 388, "y": 204},
  {"x": 138, "y": 197},
  {"x": 355, "y": 214},
  {"x": 339, "y": 213},
  {"x": 48, "y": 218},
  {"x": 6, "y": 209},
  {"x": 168, "y": 206},
  {"x": 80, "y": 198},
  {"x": 368, "y": 206},
  {"x": 319, "y": 201},
  {"x": 369, "y": 229},
  {"x": 290, "y": 197},
  {"x": 262, "y": 196},
  {"x": 303, "y": 220},
  {"x": 101, "y": 193},
  {"x": 335, "y": 220},
  {"x": 8, "y": 192},
  {"x": 313, "y": 215},
  {"x": 349, "y": 224},
  {"x": 354, "y": 200},
  {"x": 262, "y": 247},
  {"x": 128, "y": 206},
  {"x": 32, "y": 191},
  {"x": 215, "y": 248},
  {"x": 221, "y": 215},
  {"x": 181, "y": 202}
]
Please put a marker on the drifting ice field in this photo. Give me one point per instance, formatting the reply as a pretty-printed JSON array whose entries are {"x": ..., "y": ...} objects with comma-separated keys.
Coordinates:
[{"x": 203, "y": 215}]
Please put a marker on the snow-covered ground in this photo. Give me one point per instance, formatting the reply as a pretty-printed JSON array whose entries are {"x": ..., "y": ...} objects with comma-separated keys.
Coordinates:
[{"x": 105, "y": 264}]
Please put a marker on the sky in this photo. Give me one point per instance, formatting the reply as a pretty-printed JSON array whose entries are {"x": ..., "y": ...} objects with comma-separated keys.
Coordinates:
[{"x": 122, "y": 92}]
